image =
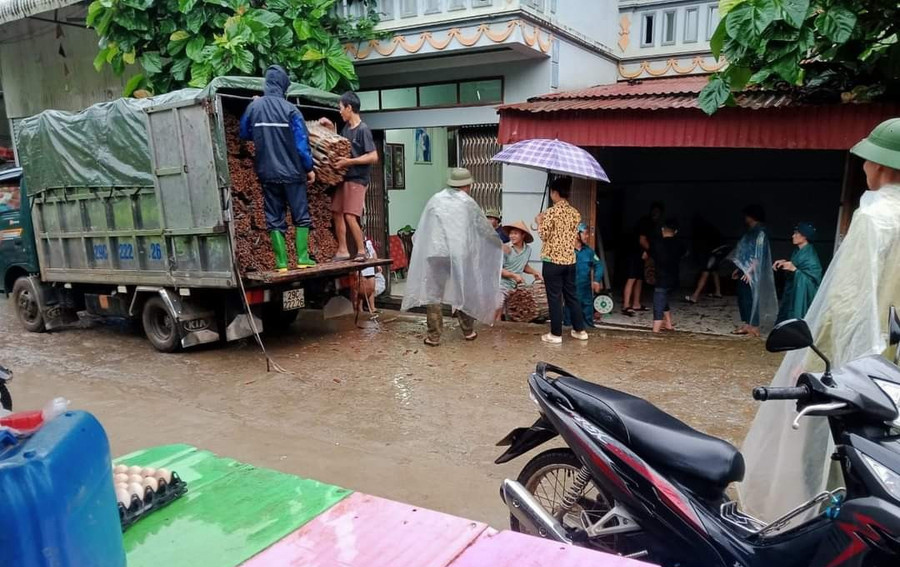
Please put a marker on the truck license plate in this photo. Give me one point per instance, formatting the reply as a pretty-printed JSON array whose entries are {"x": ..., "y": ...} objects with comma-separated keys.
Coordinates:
[{"x": 293, "y": 299}]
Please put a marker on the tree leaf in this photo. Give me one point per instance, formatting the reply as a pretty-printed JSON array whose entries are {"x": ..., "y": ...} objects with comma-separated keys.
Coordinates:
[
  {"x": 151, "y": 62},
  {"x": 788, "y": 68},
  {"x": 180, "y": 35},
  {"x": 194, "y": 49},
  {"x": 714, "y": 95},
  {"x": 177, "y": 42},
  {"x": 313, "y": 54},
  {"x": 726, "y": 6},
  {"x": 201, "y": 73},
  {"x": 137, "y": 4},
  {"x": 764, "y": 13},
  {"x": 94, "y": 10},
  {"x": 739, "y": 24},
  {"x": 760, "y": 76},
  {"x": 282, "y": 38},
  {"x": 100, "y": 59},
  {"x": 837, "y": 24},
  {"x": 303, "y": 29},
  {"x": 794, "y": 11},
  {"x": 133, "y": 84},
  {"x": 180, "y": 68},
  {"x": 195, "y": 19},
  {"x": 129, "y": 57},
  {"x": 718, "y": 39},
  {"x": 243, "y": 60},
  {"x": 185, "y": 6},
  {"x": 167, "y": 27},
  {"x": 266, "y": 18},
  {"x": 738, "y": 77}
]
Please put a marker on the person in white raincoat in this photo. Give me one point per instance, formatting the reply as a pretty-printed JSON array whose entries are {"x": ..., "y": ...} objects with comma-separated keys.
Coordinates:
[
  {"x": 849, "y": 319},
  {"x": 456, "y": 259}
]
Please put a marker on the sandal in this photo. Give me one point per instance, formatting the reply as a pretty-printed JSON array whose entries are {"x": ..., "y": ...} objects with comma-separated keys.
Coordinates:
[
  {"x": 432, "y": 343},
  {"x": 360, "y": 258},
  {"x": 740, "y": 332},
  {"x": 641, "y": 308},
  {"x": 689, "y": 299},
  {"x": 341, "y": 258},
  {"x": 471, "y": 337},
  {"x": 628, "y": 311}
]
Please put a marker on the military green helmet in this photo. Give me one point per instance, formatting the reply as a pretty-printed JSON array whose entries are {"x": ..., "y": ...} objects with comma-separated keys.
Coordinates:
[
  {"x": 882, "y": 146},
  {"x": 493, "y": 213}
]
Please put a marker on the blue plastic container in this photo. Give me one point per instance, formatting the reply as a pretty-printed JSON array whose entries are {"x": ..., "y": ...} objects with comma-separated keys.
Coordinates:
[{"x": 57, "y": 502}]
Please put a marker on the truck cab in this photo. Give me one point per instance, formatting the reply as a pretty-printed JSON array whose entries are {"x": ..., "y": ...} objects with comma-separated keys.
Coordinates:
[{"x": 17, "y": 258}]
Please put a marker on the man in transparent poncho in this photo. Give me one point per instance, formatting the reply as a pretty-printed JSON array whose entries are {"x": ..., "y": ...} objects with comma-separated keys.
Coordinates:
[
  {"x": 849, "y": 319},
  {"x": 456, "y": 259}
]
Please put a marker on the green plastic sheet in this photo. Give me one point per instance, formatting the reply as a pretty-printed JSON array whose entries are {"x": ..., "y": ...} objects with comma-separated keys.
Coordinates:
[
  {"x": 106, "y": 145},
  {"x": 231, "y": 511}
]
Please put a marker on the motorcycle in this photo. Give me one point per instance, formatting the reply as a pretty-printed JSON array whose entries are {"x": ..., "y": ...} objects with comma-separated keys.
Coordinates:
[
  {"x": 636, "y": 482},
  {"x": 6, "y": 377}
]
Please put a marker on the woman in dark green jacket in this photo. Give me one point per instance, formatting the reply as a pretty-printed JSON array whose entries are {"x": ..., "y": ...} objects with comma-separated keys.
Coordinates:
[{"x": 804, "y": 274}]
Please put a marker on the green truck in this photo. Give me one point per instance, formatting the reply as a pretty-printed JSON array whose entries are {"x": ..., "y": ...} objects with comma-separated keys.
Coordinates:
[{"x": 124, "y": 210}]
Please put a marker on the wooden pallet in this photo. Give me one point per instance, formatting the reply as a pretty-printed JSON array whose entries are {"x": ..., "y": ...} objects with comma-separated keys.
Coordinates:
[{"x": 317, "y": 271}]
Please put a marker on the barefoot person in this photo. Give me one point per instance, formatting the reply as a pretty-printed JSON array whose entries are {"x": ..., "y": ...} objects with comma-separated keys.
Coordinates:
[
  {"x": 804, "y": 274},
  {"x": 456, "y": 259},
  {"x": 752, "y": 257},
  {"x": 848, "y": 319},
  {"x": 350, "y": 199},
  {"x": 666, "y": 253}
]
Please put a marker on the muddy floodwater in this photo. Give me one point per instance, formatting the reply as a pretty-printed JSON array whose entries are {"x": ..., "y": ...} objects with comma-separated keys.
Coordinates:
[{"x": 372, "y": 409}]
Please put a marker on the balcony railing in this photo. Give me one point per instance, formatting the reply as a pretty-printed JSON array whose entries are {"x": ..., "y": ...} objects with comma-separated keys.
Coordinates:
[{"x": 396, "y": 11}]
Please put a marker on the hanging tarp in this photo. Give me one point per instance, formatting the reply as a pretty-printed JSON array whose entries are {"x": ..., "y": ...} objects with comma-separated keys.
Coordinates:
[{"x": 105, "y": 145}]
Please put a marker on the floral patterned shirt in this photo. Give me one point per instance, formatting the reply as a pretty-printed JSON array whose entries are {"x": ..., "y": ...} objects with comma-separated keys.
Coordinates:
[{"x": 558, "y": 233}]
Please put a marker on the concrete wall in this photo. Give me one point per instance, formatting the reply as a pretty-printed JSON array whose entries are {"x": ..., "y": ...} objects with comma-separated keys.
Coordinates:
[
  {"x": 422, "y": 180},
  {"x": 594, "y": 19},
  {"x": 41, "y": 70},
  {"x": 580, "y": 68}
]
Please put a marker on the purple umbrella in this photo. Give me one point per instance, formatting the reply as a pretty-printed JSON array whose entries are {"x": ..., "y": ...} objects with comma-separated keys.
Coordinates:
[{"x": 553, "y": 156}]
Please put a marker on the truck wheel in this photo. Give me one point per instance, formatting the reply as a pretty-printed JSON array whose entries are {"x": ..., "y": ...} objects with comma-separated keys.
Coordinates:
[
  {"x": 160, "y": 327},
  {"x": 27, "y": 307},
  {"x": 277, "y": 321}
]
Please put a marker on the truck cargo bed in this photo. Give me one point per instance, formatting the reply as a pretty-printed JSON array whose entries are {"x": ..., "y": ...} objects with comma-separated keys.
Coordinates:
[{"x": 318, "y": 271}]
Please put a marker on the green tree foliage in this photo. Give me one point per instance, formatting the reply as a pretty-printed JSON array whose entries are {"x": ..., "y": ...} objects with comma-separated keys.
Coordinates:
[
  {"x": 825, "y": 49},
  {"x": 180, "y": 43}
]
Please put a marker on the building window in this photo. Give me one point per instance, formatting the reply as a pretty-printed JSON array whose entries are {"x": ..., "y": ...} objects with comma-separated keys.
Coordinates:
[
  {"x": 368, "y": 100},
  {"x": 432, "y": 6},
  {"x": 386, "y": 10},
  {"x": 712, "y": 20},
  {"x": 670, "y": 19},
  {"x": 554, "y": 65},
  {"x": 438, "y": 95},
  {"x": 409, "y": 8},
  {"x": 648, "y": 30},
  {"x": 482, "y": 3},
  {"x": 536, "y": 4},
  {"x": 457, "y": 5},
  {"x": 392, "y": 99},
  {"x": 553, "y": 6},
  {"x": 691, "y": 24},
  {"x": 481, "y": 92}
]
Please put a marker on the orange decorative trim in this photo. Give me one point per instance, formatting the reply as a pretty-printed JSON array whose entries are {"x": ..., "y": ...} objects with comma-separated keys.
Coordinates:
[
  {"x": 672, "y": 66},
  {"x": 389, "y": 47},
  {"x": 624, "y": 33}
]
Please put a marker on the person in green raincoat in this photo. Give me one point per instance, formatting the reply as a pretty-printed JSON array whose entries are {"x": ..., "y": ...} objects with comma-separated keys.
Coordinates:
[
  {"x": 587, "y": 264},
  {"x": 804, "y": 274}
]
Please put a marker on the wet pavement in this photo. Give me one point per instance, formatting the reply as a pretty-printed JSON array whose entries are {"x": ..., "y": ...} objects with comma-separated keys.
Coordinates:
[{"x": 372, "y": 409}]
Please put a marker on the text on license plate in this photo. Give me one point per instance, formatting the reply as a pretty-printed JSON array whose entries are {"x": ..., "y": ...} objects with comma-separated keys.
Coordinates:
[{"x": 293, "y": 299}]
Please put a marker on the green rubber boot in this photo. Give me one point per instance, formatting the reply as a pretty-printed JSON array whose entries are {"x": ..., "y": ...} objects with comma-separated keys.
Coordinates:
[
  {"x": 303, "y": 259},
  {"x": 279, "y": 246}
]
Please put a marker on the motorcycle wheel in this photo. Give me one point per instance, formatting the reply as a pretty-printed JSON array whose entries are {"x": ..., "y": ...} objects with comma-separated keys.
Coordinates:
[
  {"x": 547, "y": 477},
  {"x": 5, "y": 397}
]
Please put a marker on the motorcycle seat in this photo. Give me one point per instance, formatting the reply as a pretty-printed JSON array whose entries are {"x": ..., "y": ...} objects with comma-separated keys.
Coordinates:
[{"x": 703, "y": 463}]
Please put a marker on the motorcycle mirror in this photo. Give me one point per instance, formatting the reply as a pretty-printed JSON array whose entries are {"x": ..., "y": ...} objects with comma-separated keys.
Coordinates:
[
  {"x": 793, "y": 334},
  {"x": 5, "y": 374}
]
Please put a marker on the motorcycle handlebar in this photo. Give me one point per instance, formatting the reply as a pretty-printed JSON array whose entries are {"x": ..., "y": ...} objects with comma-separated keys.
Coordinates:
[{"x": 796, "y": 393}]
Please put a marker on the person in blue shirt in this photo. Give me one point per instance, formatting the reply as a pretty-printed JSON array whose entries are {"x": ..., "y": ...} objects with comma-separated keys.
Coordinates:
[
  {"x": 588, "y": 276},
  {"x": 284, "y": 164},
  {"x": 496, "y": 219}
]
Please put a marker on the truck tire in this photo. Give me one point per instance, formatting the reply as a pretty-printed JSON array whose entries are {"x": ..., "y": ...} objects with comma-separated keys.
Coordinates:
[
  {"x": 27, "y": 307},
  {"x": 159, "y": 326},
  {"x": 277, "y": 321}
]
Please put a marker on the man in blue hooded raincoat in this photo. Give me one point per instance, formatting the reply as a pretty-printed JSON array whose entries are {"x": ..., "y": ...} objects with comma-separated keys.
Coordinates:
[{"x": 284, "y": 164}]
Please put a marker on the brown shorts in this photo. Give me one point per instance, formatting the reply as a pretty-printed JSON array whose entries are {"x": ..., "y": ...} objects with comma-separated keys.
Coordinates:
[{"x": 349, "y": 199}]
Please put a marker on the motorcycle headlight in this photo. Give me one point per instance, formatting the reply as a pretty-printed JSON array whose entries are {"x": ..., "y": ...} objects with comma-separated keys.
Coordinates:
[
  {"x": 889, "y": 479},
  {"x": 893, "y": 392}
]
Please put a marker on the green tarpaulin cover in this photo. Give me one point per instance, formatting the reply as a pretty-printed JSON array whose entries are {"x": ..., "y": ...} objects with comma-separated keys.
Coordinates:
[{"x": 106, "y": 145}]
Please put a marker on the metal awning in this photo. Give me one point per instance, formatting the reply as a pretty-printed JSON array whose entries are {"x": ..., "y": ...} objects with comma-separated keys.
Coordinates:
[
  {"x": 665, "y": 113},
  {"x": 13, "y": 10}
]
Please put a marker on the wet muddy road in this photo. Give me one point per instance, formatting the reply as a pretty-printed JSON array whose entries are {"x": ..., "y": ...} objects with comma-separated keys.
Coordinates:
[{"x": 372, "y": 409}]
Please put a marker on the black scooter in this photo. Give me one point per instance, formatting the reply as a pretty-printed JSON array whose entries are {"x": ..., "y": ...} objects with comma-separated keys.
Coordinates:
[{"x": 637, "y": 482}]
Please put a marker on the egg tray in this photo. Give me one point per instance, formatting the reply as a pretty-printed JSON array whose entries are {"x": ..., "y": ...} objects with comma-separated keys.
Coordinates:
[{"x": 153, "y": 500}]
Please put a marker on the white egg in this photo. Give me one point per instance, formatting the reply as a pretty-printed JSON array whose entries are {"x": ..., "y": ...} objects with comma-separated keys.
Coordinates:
[
  {"x": 164, "y": 474},
  {"x": 151, "y": 483},
  {"x": 137, "y": 489},
  {"x": 135, "y": 478},
  {"x": 134, "y": 470},
  {"x": 121, "y": 486},
  {"x": 145, "y": 472},
  {"x": 120, "y": 469},
  {"x": 124, "y": 497},
  {"x": 120, "y": 477}
]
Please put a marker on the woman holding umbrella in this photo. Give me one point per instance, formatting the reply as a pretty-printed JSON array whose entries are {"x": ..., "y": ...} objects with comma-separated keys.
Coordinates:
[{"x": 558, "y": 227}]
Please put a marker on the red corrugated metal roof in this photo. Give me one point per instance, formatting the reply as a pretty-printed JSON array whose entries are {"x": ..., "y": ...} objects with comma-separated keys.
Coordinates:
[
  {"x": 651, "y": 94},
  {"x": 617, "y": 115}
]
